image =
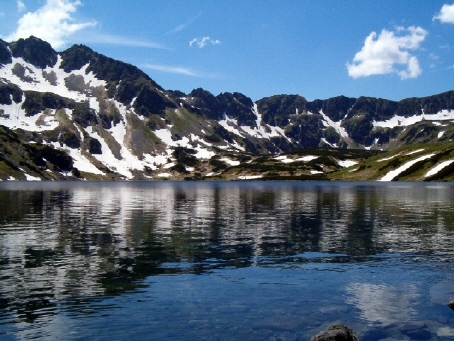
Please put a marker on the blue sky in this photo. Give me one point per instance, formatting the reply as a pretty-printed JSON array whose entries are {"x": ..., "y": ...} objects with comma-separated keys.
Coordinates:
[{"x": 317, "y": 49}]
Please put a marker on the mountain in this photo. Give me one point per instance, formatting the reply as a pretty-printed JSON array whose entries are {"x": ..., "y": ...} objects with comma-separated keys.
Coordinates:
[{"x": 78, "y": 114}]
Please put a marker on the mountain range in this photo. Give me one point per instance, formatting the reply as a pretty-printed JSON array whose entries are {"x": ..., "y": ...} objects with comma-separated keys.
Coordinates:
[{"x": 78, "y": 114}]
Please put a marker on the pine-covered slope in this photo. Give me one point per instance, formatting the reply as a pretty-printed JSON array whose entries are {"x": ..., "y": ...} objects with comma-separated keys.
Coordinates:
[{"x": 112, "y": 121}]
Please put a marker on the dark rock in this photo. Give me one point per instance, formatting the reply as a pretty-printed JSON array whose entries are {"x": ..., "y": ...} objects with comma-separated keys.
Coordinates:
[
  {"x": 5, "y": 55},
  {"x": 34, "y": 51},
  {"x": 94, "y": 146},
  {"x": 236, "y": 105},
  {"x": 9, "y": 93},
  {"x": 36, "y": 102},
  {"x": 336, "y": 332},
  {"x": 451, "y": 304},
  {"x": 84, "y": 115},
  {"x": 276, "y": 110}
]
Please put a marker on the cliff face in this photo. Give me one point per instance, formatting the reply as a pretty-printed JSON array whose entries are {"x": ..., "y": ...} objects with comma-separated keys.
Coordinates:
[{"x": 113, "y": 121}]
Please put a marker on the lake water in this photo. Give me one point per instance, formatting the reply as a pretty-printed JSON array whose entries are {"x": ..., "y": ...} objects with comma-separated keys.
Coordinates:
[{"x": 225, "y": 260}]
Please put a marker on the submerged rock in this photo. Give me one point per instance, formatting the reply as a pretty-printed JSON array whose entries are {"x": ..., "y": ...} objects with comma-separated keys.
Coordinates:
[{"x": 336, "y": 332}]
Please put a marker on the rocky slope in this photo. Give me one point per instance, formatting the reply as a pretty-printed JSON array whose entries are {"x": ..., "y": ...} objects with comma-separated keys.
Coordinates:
[{"x": 81, "y": 115}]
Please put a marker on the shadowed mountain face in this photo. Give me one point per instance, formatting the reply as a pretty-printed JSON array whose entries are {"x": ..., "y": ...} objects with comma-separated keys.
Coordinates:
[{"x": 113, "y": 121}]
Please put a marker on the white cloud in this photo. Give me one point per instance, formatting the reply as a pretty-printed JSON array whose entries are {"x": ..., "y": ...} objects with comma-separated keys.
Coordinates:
[
  {"x": 446, "y": 15},
  {"x": 122, "y": 41},
  {"x": 51, "y": 22},
  {"x": 388, "y": 53},
  {"x": 170, "y": 69},
  {"x": 186, "y": 24},
  {"x": 20, "y": 6},
  {"x": 202, "y": 42}
]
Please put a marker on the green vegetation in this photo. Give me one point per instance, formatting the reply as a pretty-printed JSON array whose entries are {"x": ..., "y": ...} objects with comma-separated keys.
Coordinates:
[{"x": 375, "y": 167}]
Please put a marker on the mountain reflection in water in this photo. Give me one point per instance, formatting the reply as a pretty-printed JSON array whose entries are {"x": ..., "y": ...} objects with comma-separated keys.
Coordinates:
[{"x": 66, "y": 247}]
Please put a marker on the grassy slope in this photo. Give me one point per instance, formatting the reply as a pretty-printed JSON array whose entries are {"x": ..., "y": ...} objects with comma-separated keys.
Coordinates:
[{"x": 375, "y": 167}]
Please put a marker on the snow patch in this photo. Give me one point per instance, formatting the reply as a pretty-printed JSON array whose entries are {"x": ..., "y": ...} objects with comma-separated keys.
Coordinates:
[
  {"x": 438, "y": 168},
  {"x": 336, "y": 125},
  {"x": 388, "y": 158},
  {"x": 392, "y": 174},
  {"x": 250, "y": 177},
  {"x": 164, "y": 175},
  {"x": 402, "y": 121},
  {"x": 414, "y": 151},
  {"x": 347, "y": 163},
  {"x": 230, "y": 162}
]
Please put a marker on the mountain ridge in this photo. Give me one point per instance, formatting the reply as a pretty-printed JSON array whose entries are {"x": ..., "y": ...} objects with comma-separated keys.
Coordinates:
[{"x": 115, "y": 121}]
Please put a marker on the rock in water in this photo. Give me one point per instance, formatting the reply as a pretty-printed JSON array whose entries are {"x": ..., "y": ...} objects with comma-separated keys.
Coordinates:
[
  {"x": 451, "y": 304},
  {"x": 336, "y": 332}
]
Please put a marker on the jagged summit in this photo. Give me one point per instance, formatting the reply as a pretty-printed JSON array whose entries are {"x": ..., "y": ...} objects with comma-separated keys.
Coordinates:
[{"x": 115, "y": 121}]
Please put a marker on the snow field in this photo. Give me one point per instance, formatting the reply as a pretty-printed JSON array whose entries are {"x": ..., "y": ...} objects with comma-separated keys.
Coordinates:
[
  {"x": 396, "y": 121},
  {"x": 392, "y": 174}
]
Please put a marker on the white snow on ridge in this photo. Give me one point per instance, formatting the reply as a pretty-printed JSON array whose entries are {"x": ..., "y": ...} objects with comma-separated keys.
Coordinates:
[
  {"x": 81, "y": 162},
  {"x": 392, "y": 174},
  {"x": 438, "y": 168},
  {"x": 336, "y": 125},
  {"x": 15, "y": 117},
  {"x": 39, "y": 83},
  {"x": 406, "y": 121},
  {"x": 227, "y": 124},
  {"x": 415, "y": 151}
]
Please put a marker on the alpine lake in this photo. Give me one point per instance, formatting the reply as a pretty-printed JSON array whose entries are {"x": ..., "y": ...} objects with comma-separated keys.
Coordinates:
[{"x": 239, "y": 260}]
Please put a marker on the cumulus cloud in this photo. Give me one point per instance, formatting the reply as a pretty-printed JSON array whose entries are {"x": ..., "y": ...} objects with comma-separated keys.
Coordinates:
[
  {"x": 389, "y": 53},
  {"x": 446, "y": 14},
  {"x": 204, "y": 41},
  {"x": 52, "y": 22}
]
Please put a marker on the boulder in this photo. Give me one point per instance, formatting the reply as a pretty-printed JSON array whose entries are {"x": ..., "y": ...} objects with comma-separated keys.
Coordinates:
[
  {"x": 336, "y": 332},
  {"x": 451, "y": 304}
]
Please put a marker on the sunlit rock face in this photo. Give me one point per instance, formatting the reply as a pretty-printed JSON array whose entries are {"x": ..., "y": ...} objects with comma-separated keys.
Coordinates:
[{"x": 69, "y": 100}]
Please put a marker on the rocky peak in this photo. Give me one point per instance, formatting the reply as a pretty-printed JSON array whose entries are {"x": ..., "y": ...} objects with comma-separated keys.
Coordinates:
[
  {"x": 34, "y": 51},
  {"x": 5, "y": 54}
]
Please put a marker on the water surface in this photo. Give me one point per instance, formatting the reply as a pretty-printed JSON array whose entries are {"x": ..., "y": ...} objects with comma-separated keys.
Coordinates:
[{"x": 225, "y": 260}]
